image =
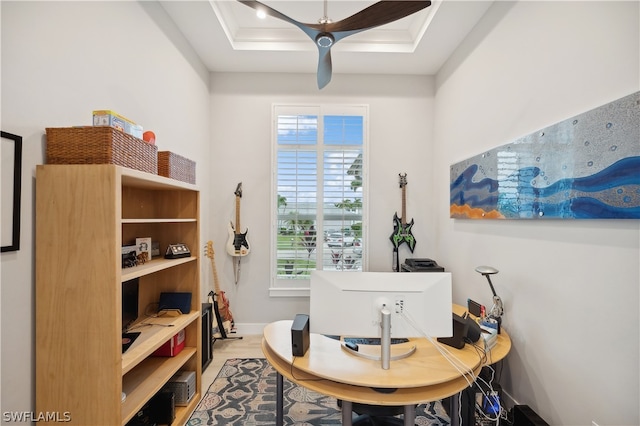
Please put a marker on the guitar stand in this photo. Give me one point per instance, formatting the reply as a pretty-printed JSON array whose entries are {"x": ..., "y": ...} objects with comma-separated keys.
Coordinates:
[
  {"x": 223, "y": 336},
  {"x": 227, "y": 337}
]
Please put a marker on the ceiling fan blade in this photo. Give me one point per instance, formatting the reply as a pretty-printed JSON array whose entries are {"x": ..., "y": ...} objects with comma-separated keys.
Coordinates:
[
  {"x": 307, "y": 28},
  {"x": 324, "y": 66},
  {"x": 380, "y": 13}
]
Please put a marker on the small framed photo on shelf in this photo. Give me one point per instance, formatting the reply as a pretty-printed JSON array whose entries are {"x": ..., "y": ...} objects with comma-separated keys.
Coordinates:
[
  {"x": 143, "y": 249},
  {"x": 129, "y": 257}
]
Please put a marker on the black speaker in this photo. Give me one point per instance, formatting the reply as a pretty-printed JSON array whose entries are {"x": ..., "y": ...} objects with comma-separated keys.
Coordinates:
[
  {"x": 460, "y": 329},
  {"x": 207, "y": 335},
  {"x": 162, "y": 408},
  {"x": 300, "y": 335}
]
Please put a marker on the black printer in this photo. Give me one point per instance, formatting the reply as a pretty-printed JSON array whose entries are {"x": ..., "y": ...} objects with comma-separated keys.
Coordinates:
[{"x": 421, "y": 265}]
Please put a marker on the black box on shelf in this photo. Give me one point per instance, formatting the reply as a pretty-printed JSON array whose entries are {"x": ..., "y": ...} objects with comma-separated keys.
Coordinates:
[
  {"x": 162, "y": 408},
  {"x": 421, "y": 265},
  {"x": 207, "y": 334}
]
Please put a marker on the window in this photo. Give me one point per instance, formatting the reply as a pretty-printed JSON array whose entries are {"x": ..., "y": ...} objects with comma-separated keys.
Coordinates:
[{"x": 319, "y": 189}]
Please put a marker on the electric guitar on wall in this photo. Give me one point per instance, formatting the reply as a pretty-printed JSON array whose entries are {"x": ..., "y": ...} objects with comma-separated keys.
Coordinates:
[
  {"x": 237, "y": 245},
  {"x": 402, "y": 229},
  {"x": 218, "y": 299}
]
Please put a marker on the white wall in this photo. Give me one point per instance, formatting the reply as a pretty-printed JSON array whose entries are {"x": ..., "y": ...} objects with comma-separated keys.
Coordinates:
[
  {"x": 400, "y": 141},
  {"x": 570, "y": 287},
  {"x": 61, "y": 61}
]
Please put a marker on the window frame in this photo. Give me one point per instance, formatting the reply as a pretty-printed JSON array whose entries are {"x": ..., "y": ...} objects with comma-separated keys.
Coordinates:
[{"x": 285, "y": 288}]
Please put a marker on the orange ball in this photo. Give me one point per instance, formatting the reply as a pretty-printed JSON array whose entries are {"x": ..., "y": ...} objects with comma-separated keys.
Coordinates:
[{"x": 149, "y": 137}]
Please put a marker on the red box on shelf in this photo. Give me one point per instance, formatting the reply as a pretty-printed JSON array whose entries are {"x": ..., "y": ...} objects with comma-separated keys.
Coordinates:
[{"x": 173, "y": 346}]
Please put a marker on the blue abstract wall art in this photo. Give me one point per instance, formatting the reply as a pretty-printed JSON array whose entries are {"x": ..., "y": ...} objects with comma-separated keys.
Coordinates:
[{"x": 586, "y": 167}]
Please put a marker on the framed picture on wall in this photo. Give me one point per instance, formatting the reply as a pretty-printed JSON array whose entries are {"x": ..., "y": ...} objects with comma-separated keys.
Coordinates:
[{"x": 11, "y": 171}]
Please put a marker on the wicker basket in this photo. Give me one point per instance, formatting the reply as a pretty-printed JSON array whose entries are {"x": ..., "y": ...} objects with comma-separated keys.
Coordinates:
[
  {"x": 174, "y": 166},
  {"x": 100, "y": 145}
]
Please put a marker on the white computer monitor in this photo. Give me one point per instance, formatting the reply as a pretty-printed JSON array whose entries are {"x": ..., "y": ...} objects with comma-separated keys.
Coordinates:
[{"x": 349, "y": 303}]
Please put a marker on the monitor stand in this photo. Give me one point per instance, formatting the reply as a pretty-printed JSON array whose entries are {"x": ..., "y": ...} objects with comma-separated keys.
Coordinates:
[{"x": 385, "y": 356}]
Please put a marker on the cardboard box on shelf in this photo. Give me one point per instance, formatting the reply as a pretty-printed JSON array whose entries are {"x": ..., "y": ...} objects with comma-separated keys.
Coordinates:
[{"x": 117, "y": 121}]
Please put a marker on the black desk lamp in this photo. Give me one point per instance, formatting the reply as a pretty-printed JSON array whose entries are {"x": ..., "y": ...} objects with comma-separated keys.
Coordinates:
[{"x": 497, "y": 309}]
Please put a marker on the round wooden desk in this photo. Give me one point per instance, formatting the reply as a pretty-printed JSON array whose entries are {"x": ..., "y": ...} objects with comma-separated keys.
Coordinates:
[{"x": 328, "y": 369}]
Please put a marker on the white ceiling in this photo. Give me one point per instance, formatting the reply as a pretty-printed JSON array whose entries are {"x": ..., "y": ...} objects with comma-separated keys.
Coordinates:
[{"x": 228, "y": 37}]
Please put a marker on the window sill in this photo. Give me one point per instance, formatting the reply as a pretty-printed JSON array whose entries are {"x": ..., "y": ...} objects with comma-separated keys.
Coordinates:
[{"x": 288, "y": 292}]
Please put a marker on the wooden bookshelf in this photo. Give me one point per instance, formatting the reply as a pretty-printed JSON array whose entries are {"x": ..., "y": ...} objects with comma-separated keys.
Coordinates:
[{"x": 84, "y": 215}]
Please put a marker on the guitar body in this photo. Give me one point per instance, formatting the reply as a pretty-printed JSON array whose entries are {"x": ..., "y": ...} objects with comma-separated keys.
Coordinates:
[
  {"x": 237, "y": 244},
  {"x": 223, "y": 306},
  {"x": 402, "y": 233}
]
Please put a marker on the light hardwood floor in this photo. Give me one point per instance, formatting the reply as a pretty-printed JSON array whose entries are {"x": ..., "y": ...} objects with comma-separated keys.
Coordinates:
[{"x": 247, "y": 347}]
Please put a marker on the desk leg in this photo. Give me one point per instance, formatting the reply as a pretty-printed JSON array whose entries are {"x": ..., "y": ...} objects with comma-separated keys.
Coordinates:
[
  {"x": 347, "y": 413},
  {"x": 279, "y": 399},
  {"x": 410, "y": 415},
  {"x": 455, "y": 404}
]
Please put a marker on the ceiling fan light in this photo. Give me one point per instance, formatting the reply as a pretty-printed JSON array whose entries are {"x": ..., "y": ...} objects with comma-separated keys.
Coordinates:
[{"x": 324, "y": 40}]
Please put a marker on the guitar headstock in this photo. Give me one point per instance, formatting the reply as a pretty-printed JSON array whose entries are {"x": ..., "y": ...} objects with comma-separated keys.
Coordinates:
[
  {"x": 208, "y": 250},
  {"x": 403, "y": 179},
  {"x": 238, "y": 190}
]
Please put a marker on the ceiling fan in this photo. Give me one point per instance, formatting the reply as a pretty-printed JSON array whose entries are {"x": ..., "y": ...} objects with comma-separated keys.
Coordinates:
[{"x": 326, "y": 33}]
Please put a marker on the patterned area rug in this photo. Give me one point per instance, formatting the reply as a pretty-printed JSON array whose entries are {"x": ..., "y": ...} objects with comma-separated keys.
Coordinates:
[{"x": 244, "y": 394}]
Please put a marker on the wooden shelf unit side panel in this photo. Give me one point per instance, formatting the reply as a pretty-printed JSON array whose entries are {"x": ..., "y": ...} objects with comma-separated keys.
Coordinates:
[
  {"x": 194, "y": 339},
  {"x": 142, "y": 203},
  {"x": 193, "y": 336},
  {"x": 78, "y": 305},
  {"x": 184, "y": 413}
]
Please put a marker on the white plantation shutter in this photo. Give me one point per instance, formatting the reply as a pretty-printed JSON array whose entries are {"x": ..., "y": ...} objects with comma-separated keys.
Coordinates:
[{"x": 319, "y": 189}]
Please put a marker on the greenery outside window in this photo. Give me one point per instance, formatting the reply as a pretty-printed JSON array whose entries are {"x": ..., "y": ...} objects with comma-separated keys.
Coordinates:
[{"x": 319, "y": 193}]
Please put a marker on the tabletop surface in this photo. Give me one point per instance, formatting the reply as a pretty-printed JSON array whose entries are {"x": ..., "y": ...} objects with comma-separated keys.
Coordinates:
[
  {"x": 424, "y": 376},
  {"x": 427, "y": 366}
]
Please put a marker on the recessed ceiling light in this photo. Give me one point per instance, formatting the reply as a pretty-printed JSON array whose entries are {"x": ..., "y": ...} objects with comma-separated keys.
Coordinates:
[{"x": 261, "y": 14}]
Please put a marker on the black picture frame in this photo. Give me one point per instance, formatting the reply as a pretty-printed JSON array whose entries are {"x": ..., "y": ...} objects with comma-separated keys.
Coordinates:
[{"x": 15, "y": 196}]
